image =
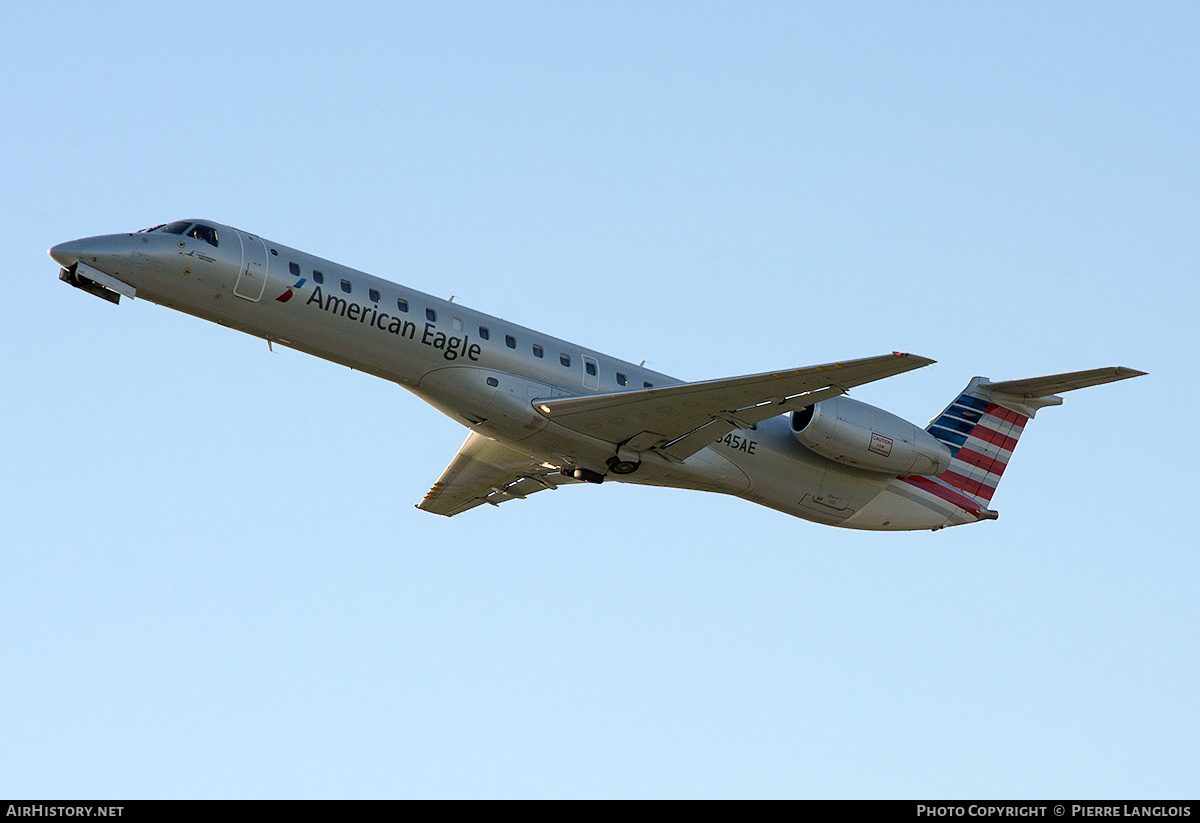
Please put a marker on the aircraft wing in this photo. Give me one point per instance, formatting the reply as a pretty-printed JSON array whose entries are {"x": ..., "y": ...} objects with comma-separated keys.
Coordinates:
[
  {"x": 485, "y": 471},
  {"x": 678, "y": 421}
]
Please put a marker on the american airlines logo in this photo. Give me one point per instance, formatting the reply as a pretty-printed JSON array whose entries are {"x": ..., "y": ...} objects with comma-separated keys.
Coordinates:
[{"x": 287, "y": 295}]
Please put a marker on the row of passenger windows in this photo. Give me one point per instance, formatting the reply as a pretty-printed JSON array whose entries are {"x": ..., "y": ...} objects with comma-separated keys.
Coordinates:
[
  {"x": 208, "y": 234},
  {"x": 484, "y": 332}
]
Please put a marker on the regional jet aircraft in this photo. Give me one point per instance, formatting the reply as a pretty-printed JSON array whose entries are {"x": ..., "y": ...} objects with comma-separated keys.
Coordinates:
[{"x": 544, "y": 412}]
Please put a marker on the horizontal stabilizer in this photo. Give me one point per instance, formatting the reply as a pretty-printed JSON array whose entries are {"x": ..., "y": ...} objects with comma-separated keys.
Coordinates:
[{"x": 1055, "y": 383}]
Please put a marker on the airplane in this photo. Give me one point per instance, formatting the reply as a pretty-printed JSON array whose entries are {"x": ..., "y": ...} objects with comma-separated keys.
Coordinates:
[{"x": 544, "y": 412}]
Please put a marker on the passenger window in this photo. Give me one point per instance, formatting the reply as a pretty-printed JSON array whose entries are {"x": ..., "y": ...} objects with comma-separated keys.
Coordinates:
[
  {"x": 491, "y": 381},
  {"x": 565, "y": 359},
  {"x": 510, "y": 341},
  {"x": 374, "y": 295},
  {"x": 401, "y": 304},
  {"x": 431, "y": 315},
  {"x": 589, "y": 367},
  {"x": 294, "y": 269},
  {"x": 621, "y": 381},
  {"x": 538, "y": 351},
  {"x": 274, "y": 252},
  {"x": 483, "y": 332},
  {"x": 318, "y": 277},
  {"x": 346, "y": 286},
  {"x": 206, "y": 233},
  {"x": 456, "y": 323}
]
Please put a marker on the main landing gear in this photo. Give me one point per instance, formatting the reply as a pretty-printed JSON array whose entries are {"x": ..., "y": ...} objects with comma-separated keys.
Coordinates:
[
  {"x": 615, "y": 466},
  {"x": 618, "y": 466}
]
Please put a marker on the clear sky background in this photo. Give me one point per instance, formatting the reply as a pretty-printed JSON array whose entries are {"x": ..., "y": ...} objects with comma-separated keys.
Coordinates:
[{"x": 214, "y": 582}]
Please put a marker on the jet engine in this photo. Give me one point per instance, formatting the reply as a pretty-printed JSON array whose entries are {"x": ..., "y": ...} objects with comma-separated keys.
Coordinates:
[{"x": 865, "y": 437}]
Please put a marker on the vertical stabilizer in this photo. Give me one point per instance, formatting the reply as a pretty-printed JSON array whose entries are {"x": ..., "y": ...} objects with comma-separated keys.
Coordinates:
[
  {"x": 981, "y": 428},
  {"x": 981, "y": 435}
]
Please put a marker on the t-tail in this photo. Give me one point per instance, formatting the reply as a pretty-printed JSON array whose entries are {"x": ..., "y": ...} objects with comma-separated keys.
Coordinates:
[{"x": 981, "y": 428}]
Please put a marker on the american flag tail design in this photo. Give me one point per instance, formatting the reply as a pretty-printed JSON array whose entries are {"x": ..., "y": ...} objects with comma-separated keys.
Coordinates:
[{"x": 982, "y": 425}]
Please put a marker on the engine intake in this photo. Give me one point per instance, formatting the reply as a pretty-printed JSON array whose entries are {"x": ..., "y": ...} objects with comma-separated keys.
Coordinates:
[{"x": 865, "y": 437}]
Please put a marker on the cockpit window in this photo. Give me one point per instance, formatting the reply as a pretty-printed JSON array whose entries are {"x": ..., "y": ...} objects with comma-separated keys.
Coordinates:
[
  {"x": 206, "y": 233},
  {"x": 174, "y": 228}
]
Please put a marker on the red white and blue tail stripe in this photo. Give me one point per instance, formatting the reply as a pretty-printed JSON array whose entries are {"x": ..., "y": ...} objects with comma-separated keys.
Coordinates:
[
  {"x": 981, "y": 428},
  {"x": 981, "y": 436}
]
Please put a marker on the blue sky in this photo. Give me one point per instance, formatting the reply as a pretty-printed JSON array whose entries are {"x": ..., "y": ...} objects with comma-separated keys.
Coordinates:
[{"x": 216, "y": 584}]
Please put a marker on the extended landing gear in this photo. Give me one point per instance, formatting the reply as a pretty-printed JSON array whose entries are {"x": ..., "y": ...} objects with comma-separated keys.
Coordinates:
[
  {"x": 615, "y": 466},
  {"x": 618, "y": 466}
]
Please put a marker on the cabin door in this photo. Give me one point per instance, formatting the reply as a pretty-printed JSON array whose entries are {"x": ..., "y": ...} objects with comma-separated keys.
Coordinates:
[{"x": 253, "y": 277}]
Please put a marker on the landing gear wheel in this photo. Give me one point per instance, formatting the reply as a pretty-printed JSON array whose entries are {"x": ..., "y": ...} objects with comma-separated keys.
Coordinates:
[{"x": 618, "y": 466}]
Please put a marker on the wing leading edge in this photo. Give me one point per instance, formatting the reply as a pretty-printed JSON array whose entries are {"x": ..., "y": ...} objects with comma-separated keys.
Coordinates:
[{"x": 678, "y": 421}]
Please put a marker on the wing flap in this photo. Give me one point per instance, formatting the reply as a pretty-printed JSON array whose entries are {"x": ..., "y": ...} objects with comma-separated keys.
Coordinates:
[
  {"x": 718, "y": 427},
  {"x": 485, "y": 471}
]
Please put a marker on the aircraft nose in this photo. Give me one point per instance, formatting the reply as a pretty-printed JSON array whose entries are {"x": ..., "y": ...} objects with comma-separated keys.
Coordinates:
[
  {"x": 68, "y": 254},
  {"x": 108, "y": 252}
]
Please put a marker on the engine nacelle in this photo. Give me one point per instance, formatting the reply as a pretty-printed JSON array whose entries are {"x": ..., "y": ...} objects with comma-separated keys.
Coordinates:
[{"x": 865, "y": 437}]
